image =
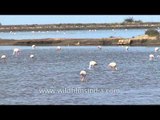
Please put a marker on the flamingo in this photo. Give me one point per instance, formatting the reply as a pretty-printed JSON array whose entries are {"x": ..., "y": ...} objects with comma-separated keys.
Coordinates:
[
  {"x": 83, "y": 75},
  {"x": 16, "y": 51},
  {"x": 99, "y": 47},
  {"x": 127, "y": 48},
  {"x": 33, "y": 46},
  {"x": 92, "y": 64},
  {"x": 156, "y": 49},
  {"x": 112, "y": 65},
  {"x": 4, "y": 57},
  {"x": 151, "y": 57},
  {"x": 58, "y": 48},
  {"x": 31, "y": 56}
]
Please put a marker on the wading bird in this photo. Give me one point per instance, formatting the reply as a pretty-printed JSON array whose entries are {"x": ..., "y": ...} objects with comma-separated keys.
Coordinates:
[
  {"x": 99, "y": 47},
  {"x": 16, "y": 51},
  {"x": 4, "y": 57},
  {"x": 92, "y": 64},
  {"x": 31, "y": 56},
  {"x": 151, "y": 57},
  {"x": 58, "y": 48},
  {"x": 33, "y": 46},
  {"x": 83, "y": 75},
  {"x": 127, "y": 48},
  {"x": 156, "y": 49},
  {"x": 112, "y": 65}
]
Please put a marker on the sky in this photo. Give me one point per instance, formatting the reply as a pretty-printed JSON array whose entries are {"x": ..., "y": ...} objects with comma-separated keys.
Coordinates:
[{"x": 56, "y": 19}]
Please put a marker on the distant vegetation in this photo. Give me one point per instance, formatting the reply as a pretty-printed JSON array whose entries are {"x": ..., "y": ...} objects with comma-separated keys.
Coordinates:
[
  {"x": 128, "y": 23},
  {"x": 152, "y": 32},
  {"x": 131, "y": 20}
]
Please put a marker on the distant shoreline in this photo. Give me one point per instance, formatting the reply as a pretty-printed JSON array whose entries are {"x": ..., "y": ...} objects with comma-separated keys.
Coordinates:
[
  {"x": 137, "y": 41},
  {"x": 92, "y": 26}
]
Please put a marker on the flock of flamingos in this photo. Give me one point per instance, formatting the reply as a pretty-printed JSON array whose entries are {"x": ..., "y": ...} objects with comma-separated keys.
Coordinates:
[{"x": 83, "y": 73}]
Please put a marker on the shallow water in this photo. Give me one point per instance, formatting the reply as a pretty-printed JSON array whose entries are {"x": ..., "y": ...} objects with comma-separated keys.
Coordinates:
[
  {"x": 73, "y": 34},
  {"x": 52, "y": 77}
]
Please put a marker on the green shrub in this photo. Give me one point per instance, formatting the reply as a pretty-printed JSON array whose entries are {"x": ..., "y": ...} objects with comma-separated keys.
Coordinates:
[
  {"x": 152, "y": 32},
  {"x": 138, "y": 21},
  {"x": 129, "y": 19}
]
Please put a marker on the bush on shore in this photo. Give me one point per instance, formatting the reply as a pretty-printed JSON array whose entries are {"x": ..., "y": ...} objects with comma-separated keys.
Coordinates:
[
  {"x": 131, "y": 20},
  {"x": 152, "y": 32}
]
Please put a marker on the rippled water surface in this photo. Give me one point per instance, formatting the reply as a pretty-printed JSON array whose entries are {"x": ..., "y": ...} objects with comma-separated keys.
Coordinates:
[{"x": 52, "y": 77}]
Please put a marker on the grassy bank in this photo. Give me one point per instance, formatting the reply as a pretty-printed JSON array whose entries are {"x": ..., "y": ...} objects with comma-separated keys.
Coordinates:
[{"x": 137, "y": 41}]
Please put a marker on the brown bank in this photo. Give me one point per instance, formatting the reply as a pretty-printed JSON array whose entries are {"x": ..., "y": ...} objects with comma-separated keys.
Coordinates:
[{"x": 137, "y": 41}]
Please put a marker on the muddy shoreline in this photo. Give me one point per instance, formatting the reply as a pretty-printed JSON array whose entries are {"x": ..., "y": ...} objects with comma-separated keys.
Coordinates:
[
  {"x": 137, "y": 41},
  {"x": 91, "y": 26}
]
